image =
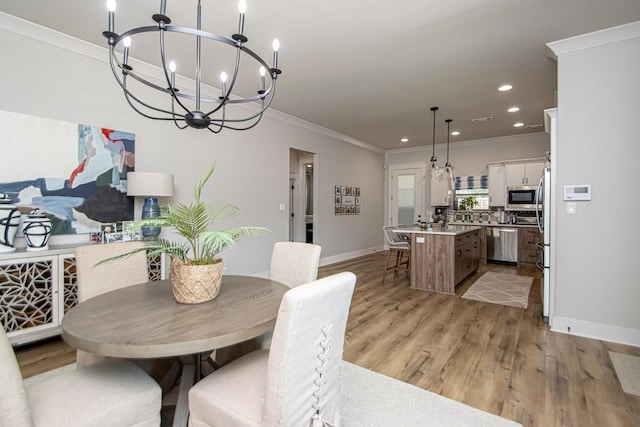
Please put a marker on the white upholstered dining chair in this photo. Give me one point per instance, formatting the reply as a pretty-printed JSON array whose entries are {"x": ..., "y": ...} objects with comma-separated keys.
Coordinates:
[
  {"x": 110, "y": 393},
  {"x": 294, "y": 263},
  {"x": 295, "y": 381},
  {"x": 94, "y": 280}
]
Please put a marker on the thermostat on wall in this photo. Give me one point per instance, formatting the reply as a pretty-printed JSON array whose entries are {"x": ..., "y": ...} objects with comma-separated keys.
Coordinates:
[{"x": 577, "y": 192}]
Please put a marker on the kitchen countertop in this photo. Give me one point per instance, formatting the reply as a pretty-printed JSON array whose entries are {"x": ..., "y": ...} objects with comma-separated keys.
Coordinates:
[
  {"x": 452, "y": 230},
  {"x": 492, "y": 224}
]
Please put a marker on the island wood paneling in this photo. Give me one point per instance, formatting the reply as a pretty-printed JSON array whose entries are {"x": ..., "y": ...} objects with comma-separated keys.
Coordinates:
[
  {"x": 500, "y": 359},
  {"x": 439, "y": 262}
]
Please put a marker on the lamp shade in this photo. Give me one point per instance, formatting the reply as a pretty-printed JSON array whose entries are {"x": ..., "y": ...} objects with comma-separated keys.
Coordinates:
[{"x": 149, "y": 184}]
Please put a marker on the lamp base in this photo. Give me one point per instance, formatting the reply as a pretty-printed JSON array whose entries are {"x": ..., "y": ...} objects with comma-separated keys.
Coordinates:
[{"x": 149, "y": 210}]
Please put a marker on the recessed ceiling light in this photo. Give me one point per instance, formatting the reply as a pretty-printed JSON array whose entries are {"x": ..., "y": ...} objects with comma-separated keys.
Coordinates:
[
  {"x": 482, "y": 119},
  {"x": 455, "y": 133},
  {"x": 513, "y": 109},
  {"x": 518, "y": 125},
  {"x": 505, "y": 88},
  {"x": 404, "y": 140}
]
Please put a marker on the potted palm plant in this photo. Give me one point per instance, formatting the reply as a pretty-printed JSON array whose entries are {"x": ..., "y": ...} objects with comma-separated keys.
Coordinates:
[{"x": 195, "y": 268}]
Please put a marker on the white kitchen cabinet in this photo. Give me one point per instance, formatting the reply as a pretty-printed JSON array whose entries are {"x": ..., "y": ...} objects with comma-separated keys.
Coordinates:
[
  {"x": 497, "y": 186},
  {"x": 37, "y": 288},
  {"x": 526, "y": 173},
  {"x": 440, "y": 192}
]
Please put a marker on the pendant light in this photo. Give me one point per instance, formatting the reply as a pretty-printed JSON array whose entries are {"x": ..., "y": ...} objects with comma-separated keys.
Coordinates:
[
  {"x": 435, "y": 170},
  {"x": 448, "y": 169}
]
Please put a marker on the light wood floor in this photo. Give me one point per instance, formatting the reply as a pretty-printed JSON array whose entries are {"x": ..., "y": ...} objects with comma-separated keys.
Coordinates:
[{"x": 500, "y": 359}]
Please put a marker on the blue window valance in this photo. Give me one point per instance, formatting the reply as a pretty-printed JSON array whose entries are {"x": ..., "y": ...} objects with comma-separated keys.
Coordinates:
[{"x": 478, "y": 182}]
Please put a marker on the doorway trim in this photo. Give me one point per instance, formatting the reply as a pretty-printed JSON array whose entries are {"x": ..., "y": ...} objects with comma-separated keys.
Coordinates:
[{"x": 395, "y": 167}]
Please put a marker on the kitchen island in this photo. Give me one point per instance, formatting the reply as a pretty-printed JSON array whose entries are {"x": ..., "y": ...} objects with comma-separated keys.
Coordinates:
[{"x": 441, "y": 258}]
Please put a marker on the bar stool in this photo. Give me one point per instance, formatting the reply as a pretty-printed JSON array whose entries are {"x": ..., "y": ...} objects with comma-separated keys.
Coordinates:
[{"x": 399, "y": 246}]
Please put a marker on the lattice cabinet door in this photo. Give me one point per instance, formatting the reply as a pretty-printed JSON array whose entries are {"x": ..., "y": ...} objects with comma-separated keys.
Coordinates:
[
  {"x": 156, "y": 266},
  {"x": 29, "y": 294},
  {"x": 68, "y": 283}
]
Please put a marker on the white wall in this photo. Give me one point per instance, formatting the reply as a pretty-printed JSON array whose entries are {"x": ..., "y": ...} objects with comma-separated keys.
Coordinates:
[
  {"x": 55, "y": 76},
  {"x": 597, "y": 286}
]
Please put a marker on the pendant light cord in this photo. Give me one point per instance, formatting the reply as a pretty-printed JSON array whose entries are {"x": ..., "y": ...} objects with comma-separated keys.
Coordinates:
[
  {"x": 448, "y": 133},
  {"x": 433, "y": 153}
]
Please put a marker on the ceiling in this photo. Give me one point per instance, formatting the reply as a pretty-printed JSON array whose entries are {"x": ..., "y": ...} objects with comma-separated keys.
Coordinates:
[{"x": 372, "y": 69}]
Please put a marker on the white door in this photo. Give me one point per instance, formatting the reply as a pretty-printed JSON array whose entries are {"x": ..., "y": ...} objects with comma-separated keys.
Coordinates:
[{"x": 407, "y": 195}]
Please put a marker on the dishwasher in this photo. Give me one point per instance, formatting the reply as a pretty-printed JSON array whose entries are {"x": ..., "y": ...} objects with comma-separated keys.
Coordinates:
[{"x": 502, "y": 244}]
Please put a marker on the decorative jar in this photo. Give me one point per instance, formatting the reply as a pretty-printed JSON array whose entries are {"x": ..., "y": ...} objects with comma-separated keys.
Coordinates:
[
  {"x": 9, "y": 223},
  {"x": 37, "y": 230}
]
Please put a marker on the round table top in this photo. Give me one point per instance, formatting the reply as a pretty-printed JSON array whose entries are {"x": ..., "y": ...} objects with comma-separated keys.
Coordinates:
[{"x": 145, "y": 320}]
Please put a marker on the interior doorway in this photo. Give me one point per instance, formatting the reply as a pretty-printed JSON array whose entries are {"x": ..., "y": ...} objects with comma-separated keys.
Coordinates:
[{"x": 302, "y": 196}]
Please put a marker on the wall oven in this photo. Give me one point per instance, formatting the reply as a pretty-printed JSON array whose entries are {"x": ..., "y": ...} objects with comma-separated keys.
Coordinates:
[{"x": 522, "y": 198}]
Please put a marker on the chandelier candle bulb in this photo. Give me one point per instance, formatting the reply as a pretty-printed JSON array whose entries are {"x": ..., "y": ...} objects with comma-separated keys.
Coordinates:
[
  {"x": 111, "y": 7},
  {"x": 262, "y": 82},
  {"x": 172, "y": 68},
  {"x": 125, "y": 57},
  {"x": 276, "y": 46},
  {"x": 223, "y": 79},
  {"x": 242, "y": 7}
]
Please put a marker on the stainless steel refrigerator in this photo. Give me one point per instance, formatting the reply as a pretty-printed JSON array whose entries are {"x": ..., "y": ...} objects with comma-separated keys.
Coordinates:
[{"x": 543, "y": 215}]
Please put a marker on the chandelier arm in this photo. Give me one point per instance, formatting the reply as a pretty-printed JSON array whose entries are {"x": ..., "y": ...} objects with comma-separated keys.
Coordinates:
[
  {"x": 259, "y": 113},
  {"x": 215, "y": 131},
  {"x": 245, "y": 128},
  {"x": 173, "y": 116},
  {"x": 225, "y": 99},
  {"x": 171, "y": 89},
  {"x": 127, "y": 97},
  {"x": 129, "y": 94}
]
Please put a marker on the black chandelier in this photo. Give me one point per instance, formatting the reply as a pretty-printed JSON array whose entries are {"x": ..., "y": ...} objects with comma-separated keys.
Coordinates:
[{"x": 193, "y": 109}]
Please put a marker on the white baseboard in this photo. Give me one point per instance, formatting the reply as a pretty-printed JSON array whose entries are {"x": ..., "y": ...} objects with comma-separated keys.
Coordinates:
[
  {"x": 349, "y": 255},
  {"x": 335, "y": 258},
  {"x": 598, "y": 331}
]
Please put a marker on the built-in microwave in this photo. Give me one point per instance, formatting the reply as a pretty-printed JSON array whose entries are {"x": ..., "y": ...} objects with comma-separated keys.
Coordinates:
[{"x": 521, "y": 198}]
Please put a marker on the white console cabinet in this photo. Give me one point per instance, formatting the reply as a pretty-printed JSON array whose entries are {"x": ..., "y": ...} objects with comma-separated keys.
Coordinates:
[{"x": 37, "y": 288}]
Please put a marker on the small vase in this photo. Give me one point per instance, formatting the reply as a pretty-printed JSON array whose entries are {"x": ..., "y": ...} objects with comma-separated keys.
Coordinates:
[
  {"x": 150, "y": 209},
  {"x": 193, "y": 284}
]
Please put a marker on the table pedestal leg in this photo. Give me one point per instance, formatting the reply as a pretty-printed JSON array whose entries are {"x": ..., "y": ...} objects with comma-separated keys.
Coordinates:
[{"x": 181, "y": 415}]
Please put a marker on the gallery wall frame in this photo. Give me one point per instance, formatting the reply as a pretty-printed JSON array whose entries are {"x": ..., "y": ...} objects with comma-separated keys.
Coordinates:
[
  {"x": 346, "y": 200},
  {"x": 75, "y": 173}
]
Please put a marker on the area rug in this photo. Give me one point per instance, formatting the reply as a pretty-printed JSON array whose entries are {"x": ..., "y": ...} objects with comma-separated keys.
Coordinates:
[
  {"x": 628, "y": 371},
  {"x": 370, "y": 399},
  {"x": 498, "y": 288}
]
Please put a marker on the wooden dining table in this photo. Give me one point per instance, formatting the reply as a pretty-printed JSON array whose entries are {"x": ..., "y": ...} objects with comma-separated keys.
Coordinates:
[{"x": 145, "y": 321}]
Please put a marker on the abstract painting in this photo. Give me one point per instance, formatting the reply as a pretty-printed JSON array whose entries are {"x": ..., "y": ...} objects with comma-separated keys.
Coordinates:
[{"x": 76, "y": 173}]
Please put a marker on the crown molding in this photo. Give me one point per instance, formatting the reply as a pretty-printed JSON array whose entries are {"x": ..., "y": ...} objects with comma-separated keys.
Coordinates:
[{"x": 595, "y": 39}]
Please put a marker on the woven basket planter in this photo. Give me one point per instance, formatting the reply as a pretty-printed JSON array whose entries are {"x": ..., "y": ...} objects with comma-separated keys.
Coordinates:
[{"x": 193, "y": 284}]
